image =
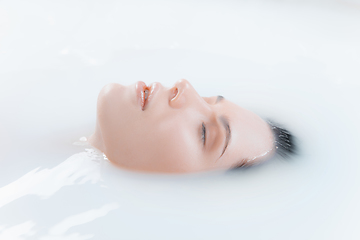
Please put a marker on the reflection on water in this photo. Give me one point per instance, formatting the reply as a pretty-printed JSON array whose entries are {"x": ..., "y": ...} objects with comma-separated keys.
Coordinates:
[
  {"x": 81, "y": 218},
  {"x": 18, "y": 231},
  {"x": 78, "y": 169}
]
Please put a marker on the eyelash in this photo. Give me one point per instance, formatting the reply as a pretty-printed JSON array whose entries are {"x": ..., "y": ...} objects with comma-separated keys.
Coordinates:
[{"x": 203, "y": 133}]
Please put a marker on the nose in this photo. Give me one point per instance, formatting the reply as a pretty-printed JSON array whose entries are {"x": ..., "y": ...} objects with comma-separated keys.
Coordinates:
[{"x": 184, "y": 95}]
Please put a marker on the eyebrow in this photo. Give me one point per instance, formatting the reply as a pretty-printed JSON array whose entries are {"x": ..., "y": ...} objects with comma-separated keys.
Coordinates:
[
  {"x": 225, "y": 123},
  {"x": 219, "y": 98}
]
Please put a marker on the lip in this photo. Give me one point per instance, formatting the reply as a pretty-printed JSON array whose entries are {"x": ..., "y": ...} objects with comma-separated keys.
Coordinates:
[
  {"x": 153, "y": 89},
  {"x": 140, "y": 88},
  {"x": 140, "y": 95}
]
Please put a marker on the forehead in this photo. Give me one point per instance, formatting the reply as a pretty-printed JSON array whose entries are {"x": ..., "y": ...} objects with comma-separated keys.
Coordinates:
[{"x": 251, "y": 136}]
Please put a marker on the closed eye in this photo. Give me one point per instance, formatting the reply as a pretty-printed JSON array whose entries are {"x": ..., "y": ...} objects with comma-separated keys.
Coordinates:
[{"x": 203, "y": 133}]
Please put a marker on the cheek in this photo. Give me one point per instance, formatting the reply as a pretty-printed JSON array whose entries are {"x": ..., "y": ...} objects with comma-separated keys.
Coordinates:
[
  {"x": 115, "y": 111},
  {"x": 171, "y": 138},
  {"x": 169, "y": 147},
  {"x": 160, "y": 142}
]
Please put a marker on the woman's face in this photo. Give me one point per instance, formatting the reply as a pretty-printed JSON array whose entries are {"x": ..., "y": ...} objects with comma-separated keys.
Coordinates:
[{"x": 176, "y": 130}]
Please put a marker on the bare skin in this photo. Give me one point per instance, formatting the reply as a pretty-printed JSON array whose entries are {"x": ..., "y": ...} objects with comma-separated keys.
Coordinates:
[{"x": 177, "y": 131}]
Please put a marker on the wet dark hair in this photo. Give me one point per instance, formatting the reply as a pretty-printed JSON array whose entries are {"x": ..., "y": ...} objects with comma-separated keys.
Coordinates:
[{"x": 284, "y": 143}]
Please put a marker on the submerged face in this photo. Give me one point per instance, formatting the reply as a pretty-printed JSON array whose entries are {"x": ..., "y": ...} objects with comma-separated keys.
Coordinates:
[{"x": 176, "y": 130}]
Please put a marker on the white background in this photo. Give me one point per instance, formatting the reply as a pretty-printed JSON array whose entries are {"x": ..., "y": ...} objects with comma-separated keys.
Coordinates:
[{"x": 296, "y": 62}]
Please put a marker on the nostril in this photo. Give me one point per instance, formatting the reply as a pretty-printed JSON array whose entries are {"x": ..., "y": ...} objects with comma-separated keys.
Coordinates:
[{"x": 175, "y": 92}]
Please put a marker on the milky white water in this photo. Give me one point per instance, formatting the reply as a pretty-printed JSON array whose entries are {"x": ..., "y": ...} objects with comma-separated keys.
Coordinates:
[{"x": 296, "y": 62}]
